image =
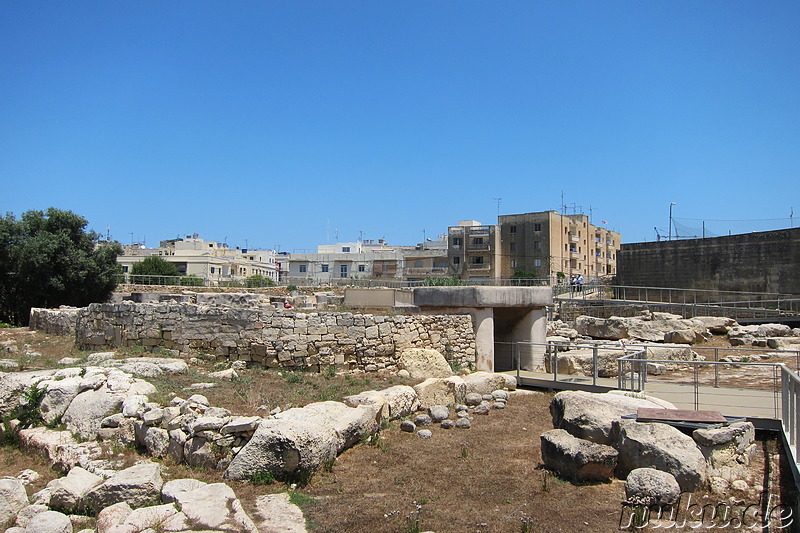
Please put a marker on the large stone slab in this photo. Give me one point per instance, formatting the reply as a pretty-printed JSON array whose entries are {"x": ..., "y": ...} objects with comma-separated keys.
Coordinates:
[
  {"x": 295, "y": 443},
  {"x": 659, "y": 446},
  {"x": 423, "y": 363},
  {"x": 392, "y": 403},
  {"x": 138, "y": 486},
  {"x": 438, "y": 391},
  {"x": 88, "y": 409},
  {"x": 214, "y": 507},
  {"x": 577, "y": 459},
  {"x": 590, "y": 416}
]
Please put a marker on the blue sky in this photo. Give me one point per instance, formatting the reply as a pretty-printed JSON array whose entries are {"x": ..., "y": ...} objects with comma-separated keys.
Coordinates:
[{"x": 287, "y": 124}]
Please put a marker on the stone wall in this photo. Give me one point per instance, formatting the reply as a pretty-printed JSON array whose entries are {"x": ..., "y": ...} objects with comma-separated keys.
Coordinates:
[
  {"x": 59, "y": 321},
  {"x": 765, "y": 261},
  {"x": 275, "y": 338}
]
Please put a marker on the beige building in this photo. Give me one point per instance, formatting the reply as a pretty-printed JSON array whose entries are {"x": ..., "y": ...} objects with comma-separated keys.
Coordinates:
[
  {"x": 210, "y": 260},
  {"x": 548, "y": 243}
]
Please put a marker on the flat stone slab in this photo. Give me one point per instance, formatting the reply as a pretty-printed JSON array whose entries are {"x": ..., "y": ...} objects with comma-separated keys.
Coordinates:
[{"x": 483, "y": 296}]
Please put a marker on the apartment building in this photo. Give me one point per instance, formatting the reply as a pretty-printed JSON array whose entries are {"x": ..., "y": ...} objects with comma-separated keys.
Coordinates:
[
  {"x": 209, "y": 260},
  {"x": 551, "y": 245},
  {"x": 367, "y": 260},
  {"x": 473, "y": 251}
]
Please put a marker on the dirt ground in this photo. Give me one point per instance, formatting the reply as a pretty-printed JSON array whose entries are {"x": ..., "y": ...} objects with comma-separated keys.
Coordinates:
[{"x": 486, "y": 479}]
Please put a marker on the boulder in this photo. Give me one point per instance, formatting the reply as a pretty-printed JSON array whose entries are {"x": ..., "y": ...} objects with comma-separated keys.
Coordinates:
[
  {"x": 648, "y": 486},
  {"x": 279, "y": 515},
  {"x": 728, "y": 450},
  {"x": 613, "y": 328},
  {"x": 214, "y": 507},
  {"x": 88, "y": 409},
  {"x": 112, "y": 516},
  {"x": 26, "y": 513},
  {"x": 58, "y": 396},
  {"x": 392, "y": 403},
  {"x": 439, "y": 412},
  {"x": 155, "y": 518},
  {"x": 13, "y": 499},
  {"x": 773, "y": 330},
  {"x": 139, "y": 486},
  {"x": 589, "y": 415},
  {"x": 49, "y": 522},
  {"x": 156, "y": 441},
  {"x": 68, "y": 493},
  {"x": 298, "y": 441},
  {"x": 484, "y": 382},
  {"x": 423, "y": 363},
  {"x": 577, "y": 459},
  {"x": 171, "y": 489},
  {"x": 659, "y": 446},
  {"x": 674, "y": 352},
  {"x": 680, "y": 336},
  {"x": 717, "y": 325},
  {"x": 441, "y": 391}
]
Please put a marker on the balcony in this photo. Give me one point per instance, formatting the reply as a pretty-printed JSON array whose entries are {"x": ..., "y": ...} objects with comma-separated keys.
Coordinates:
[
  {"x": 478, "y": 247},
  {"x": 479, "y": 266},
  {"x": 423, "y": 271},
  {"x": 574, "y": 238}
]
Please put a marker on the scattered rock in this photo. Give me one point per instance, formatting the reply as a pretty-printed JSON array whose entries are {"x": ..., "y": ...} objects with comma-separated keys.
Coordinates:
[{"x": 648, "y": 486}]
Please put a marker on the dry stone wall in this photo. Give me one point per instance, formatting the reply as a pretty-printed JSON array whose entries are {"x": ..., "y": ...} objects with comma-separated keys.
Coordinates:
[{"x": 275, "y": 338}]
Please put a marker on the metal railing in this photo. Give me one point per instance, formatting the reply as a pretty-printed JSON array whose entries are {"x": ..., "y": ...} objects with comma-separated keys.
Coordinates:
[
  {"x": 632, "y": 375},
  {"x": 790, "y": 410},
  {"x": 729, "y": 299}
]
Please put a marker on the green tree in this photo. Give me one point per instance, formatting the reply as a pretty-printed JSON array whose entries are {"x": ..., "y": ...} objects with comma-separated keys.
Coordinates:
[
  {"x": 161, "y": 272},
  {"x": 48, "y": 259}
]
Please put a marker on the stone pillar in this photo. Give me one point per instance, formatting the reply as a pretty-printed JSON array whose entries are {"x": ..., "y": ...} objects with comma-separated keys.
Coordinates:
[
  {"x": 484, "y": 338},
  {"x": 532, "y": 328}
]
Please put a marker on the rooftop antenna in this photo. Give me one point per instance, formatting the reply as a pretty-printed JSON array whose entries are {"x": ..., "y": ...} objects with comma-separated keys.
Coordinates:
[{"x": 498, "y": 208}]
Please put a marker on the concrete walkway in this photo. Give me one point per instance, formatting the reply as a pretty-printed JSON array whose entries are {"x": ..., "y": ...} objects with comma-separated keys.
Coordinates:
[{"x": 728, "y": 401}]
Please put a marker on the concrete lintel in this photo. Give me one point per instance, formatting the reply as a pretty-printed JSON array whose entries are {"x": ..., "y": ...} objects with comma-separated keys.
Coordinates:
[{"x": 483, "y": 296}]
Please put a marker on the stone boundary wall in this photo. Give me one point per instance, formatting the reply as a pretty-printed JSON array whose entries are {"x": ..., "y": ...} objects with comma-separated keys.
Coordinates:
[{"x": 275, "y": 338}]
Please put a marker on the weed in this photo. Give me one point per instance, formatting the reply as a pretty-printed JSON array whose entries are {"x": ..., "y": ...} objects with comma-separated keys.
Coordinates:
[
  {"x": 329, "y": 372},
  {"x": 28, "y": 412},
  {"x": 464, "y": 450},
  {"x": 455, "y": 365},
  {"x": 526, "y": 524},
  {"x": 262, "y": 477},
  {"x": 6, "y": 325},
  {"x": 545, "y": 481},
  {"x": 414, "y": 518},
  {"x": 292, "y": 376},
  {"x": 301, "y": 500}
]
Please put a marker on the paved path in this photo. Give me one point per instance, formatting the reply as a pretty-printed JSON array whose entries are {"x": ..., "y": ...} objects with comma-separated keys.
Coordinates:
[{"x": 728, "y": 401}]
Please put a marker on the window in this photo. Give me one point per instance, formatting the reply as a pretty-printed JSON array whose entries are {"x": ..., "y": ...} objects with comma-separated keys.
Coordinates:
[
  {"x": 512, "y": 230},
  {"x": 342, "y": 271},
  {"x": 457, "y": 241},
  {"x": 477, "y": 260},
  {"x": 417, "y": 264},
  {"x": 537, "y": 262},
  {"x": 513, "y": 263},
  {"x": 125, "y": 268},
  {"x": 537, "y": 227},
  {"x": 537, "y": 245},
  {"x": 324, "y": 268},
  {"x": 346, "y": 249},
  {"x": 213, "y": 270},
  {"x": 362, "y": 268},
  {"x": 303, "y": 269},
  {"x": 512, "y": 247},
  {"x": 477, "y": 240},
  {"x": 456, "y": 260}
]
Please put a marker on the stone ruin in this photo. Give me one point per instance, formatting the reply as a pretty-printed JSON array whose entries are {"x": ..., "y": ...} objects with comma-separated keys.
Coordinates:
[
  {"x": 264, "y": 335},
  {"x": 594, "y": 440}
]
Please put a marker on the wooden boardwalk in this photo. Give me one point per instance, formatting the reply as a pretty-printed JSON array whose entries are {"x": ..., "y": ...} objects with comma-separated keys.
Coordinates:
[{"x": 728, "y": 401}]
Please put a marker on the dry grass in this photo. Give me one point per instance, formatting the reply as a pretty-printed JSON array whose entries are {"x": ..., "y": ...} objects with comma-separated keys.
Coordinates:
[{"x": 487, "y": 479}]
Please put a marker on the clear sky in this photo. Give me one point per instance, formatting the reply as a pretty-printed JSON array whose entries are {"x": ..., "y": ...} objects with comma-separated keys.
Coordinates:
[{"x": 287, "y": 124}]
